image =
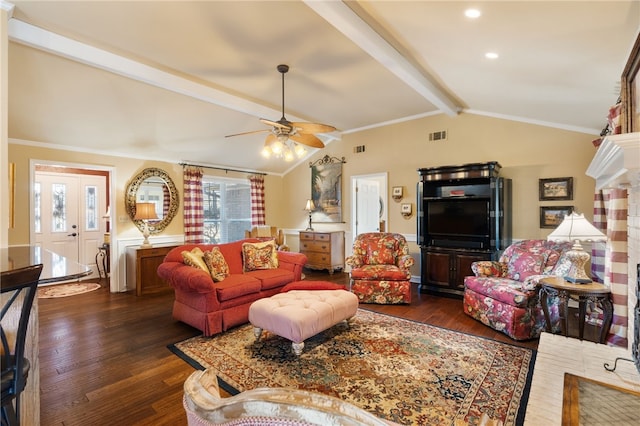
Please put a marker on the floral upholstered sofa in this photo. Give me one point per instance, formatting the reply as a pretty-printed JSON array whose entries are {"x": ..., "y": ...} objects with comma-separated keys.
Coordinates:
[
  {"x": 380, "y": 268},
  {"x": 503, "y": 294}
]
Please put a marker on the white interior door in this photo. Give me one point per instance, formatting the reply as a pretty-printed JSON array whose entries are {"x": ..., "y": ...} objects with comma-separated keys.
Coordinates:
[{"x": 369, "y": 195}]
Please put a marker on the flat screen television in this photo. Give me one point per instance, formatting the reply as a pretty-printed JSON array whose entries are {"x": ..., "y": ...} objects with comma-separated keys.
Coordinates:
[{"x": 458, "y": 217}]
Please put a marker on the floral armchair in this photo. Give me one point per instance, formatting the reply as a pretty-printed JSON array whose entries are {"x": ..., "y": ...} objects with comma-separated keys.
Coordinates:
[
  {"x": 380, "y": 268},
  {"x": 503, "y": 294}
]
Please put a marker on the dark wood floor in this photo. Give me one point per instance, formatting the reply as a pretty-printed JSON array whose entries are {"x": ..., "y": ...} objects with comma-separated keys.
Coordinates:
[{"x": 104, "y": 357}]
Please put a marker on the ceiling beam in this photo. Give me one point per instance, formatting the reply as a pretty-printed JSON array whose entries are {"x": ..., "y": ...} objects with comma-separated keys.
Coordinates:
[
  {"x": 30, "y": 35},
  {"x": 345, "y": 20}
]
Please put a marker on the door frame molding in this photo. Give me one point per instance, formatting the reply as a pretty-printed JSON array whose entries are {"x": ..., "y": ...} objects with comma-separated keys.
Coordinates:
[{"x": 33, "y": 162}]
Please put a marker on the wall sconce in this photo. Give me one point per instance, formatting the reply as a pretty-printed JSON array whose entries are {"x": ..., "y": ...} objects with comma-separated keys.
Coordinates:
[
  {"x": 310, "y": 207},
  {"x": 396, "y": 193},
  {"x": 145, "y": 212},
  {"x": 405, "y": 209}
]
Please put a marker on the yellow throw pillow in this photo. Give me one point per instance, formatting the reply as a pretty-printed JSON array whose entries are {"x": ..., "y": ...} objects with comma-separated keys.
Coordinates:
[
  {"x": 195, "y": 258},
  {"x": 217, "y": 264},
  {"x": 262, "y": 255}
]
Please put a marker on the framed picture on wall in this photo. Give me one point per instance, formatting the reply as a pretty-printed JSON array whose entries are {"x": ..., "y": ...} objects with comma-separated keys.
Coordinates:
[
  {"x": 552, "y": 216},
  {"x": 556, "y": 189},
  {"x": 630, "y": 120}
]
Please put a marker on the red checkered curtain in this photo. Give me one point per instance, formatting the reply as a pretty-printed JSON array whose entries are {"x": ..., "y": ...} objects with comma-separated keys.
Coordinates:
[
  {"x": 257, "y": 200},
  {"x": 609, "y": 260},
  {"x": 193, "y": 207}
]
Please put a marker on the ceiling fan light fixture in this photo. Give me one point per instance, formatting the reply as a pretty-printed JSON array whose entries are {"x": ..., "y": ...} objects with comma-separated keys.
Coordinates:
[
  {"x": 300, "y": 150},
  {"x": 277, "y": 146},
  {"x": 288, "y": 154},
  {"x": 266, "y": 152}
]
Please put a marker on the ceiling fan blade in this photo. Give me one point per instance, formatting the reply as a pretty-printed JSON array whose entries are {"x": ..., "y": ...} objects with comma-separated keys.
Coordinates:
[
  {"x": 275, "y": 124},
  {"x": 307, "y": 139},
  {"x": 247, "y": 133},
  {"x": 313, "y": 127}
]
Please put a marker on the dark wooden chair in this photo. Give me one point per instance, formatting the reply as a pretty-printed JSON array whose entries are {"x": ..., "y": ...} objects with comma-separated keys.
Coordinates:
[{"x": 15, "y": 367}]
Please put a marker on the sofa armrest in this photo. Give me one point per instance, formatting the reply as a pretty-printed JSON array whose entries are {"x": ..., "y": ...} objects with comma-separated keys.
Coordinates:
[
  {"x": 292, "y": 261},
  {"x": 405, "y": 262},
  {"x": 354, "y": 261},
  {"x": 185, "y": 277},
  {"x": 489, "y": 268}
]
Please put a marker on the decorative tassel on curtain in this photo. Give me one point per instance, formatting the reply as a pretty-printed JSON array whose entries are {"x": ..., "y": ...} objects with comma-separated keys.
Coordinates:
[
  {"x": 193, "y": 205},
  {"x": 257, "y": 200},
  {"x": 609, "y": 260}
]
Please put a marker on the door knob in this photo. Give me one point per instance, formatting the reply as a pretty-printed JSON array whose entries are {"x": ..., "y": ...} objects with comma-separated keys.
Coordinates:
[{"x": 72, "y": 235}]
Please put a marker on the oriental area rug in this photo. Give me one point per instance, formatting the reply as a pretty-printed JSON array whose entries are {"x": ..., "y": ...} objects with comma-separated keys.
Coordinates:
[
  {"x": 65, "y": 290},
  {"x": 400, "y": 370}
]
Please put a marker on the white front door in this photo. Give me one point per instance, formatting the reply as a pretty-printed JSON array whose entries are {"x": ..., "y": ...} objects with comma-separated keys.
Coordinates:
[{"x": 68, "y": 215}]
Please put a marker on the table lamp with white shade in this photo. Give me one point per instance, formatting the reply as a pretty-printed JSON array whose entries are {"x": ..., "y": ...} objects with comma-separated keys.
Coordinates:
[
  {"x": 576, "y": 228},
  {"x": 310, "y": 207},
  {"x": 145, "y": 212}
]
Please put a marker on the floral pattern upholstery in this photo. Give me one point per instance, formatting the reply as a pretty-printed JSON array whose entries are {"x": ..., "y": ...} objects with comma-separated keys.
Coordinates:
[
  {"x": 503, "y": 294},
  {"x": 380, "y": 268}
]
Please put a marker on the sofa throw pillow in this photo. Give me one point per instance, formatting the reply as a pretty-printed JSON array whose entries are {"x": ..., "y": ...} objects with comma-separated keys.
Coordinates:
[
  {"x": 216, "y": 264},
  {"x": 195, "y": 258},
  {"x": 523, "y": 264},
  {"x": 259, "y": 256}
]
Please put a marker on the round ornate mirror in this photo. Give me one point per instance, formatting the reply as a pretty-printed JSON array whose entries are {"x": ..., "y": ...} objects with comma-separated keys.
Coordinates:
[{"x": 154, "y": 186}]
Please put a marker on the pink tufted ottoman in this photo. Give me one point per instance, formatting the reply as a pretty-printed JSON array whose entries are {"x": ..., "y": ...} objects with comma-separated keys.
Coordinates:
[{"x": 299, "y": 314}]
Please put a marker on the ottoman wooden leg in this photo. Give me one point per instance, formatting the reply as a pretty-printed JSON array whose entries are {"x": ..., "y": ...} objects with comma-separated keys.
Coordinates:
[
  {"x": 297, "y": 347},
  {"x": 257, "y": 331}
]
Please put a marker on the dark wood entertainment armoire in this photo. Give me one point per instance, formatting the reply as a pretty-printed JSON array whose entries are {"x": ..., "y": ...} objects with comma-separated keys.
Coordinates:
[{"x": 464, "y": 215}]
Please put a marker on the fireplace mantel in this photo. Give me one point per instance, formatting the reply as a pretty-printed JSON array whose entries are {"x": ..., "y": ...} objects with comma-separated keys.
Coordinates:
[{"x": 617, "y": 162}]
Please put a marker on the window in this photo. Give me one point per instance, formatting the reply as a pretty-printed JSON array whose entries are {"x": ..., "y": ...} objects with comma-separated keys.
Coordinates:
[{"x": 227, "y": 209}]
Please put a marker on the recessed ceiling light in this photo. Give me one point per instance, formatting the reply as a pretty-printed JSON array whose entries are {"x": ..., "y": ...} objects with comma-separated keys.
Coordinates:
[
  {"x": 472, "y": 13},
  {"x": 491, "y": 55}
]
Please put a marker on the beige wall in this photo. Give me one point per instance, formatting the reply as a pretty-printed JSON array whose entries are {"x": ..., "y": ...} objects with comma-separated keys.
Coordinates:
[
  {"x": 526, "y": 152},
  {"x": 123, "y": 171}
]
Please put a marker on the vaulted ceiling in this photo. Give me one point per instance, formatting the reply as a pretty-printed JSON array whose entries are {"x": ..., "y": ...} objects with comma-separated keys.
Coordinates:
[{"x": 168, "y": 80}]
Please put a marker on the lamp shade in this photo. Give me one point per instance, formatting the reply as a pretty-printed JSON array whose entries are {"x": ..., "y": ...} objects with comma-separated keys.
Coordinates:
[
  {"x": 310, "y": 206},
  {"x": 145, "y": 211},
  {"x": 575, "y": 227}
]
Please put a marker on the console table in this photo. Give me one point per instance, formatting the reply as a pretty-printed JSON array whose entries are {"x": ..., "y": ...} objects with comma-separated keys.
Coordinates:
[
  {"x": 142, "y": 265},
  {"x": 582, "y": 293}
]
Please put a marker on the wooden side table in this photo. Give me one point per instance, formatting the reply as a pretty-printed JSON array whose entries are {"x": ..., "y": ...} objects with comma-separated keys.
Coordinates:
[{"x": 582, "y": 293}]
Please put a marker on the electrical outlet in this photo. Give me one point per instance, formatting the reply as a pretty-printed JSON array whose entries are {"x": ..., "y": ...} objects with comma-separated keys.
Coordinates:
[
  {"x": 358, "y": 149},
  {"x": 123, "y": 219}
]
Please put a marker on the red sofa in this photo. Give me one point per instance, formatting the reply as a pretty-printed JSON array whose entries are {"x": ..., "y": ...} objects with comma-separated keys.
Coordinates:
[{"x": 214, "y": 307}]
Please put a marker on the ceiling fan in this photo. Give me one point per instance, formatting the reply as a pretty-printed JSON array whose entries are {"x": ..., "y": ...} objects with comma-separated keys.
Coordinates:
[{"x": 286, "y": 136}]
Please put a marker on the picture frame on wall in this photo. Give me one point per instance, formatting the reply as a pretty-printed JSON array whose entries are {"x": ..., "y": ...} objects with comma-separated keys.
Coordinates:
[
  {"x": 326, "y": 189},
  {"x": 630, "y": 91},
  {"x": 396, "y": 192},
  {"x": 556, "y": 189},
  {"x": 552, "y": 216}
]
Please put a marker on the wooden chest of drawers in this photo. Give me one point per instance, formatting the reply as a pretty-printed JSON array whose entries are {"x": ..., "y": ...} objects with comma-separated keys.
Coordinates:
[
  {"x": 324, "y": 250},
  {"x": 142, "y": 264}
]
